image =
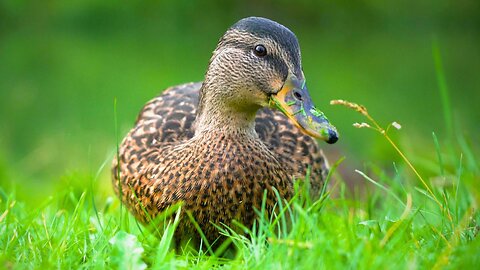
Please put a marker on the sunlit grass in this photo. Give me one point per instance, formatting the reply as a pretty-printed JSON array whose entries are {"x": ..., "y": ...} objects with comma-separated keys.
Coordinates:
[
  {"x": 447, "y": 208},
  {"x": 398, "y": 225}
]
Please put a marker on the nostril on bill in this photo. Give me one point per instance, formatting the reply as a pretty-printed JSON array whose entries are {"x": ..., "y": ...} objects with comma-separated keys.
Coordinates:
[{"x": 297, "y": 95}]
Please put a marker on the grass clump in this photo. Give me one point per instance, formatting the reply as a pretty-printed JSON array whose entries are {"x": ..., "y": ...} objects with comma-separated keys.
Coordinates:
[
  {"x": 398, "y": 225},
  {"x": 450, "y": 223}
]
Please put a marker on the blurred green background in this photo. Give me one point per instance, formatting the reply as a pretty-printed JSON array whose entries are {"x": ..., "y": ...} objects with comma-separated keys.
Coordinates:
[{"x": 62, "y": 64}]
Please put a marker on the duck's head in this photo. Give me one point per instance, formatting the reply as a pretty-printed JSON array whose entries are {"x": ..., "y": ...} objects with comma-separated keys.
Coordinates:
[{"x": 257, "y": 63}]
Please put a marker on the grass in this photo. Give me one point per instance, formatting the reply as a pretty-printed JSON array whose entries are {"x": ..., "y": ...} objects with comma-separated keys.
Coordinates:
[{"x": 405, "y": 221}]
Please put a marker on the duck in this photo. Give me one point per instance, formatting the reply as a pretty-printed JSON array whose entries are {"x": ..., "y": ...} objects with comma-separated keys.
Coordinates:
[{"x": 217, "y": 146}]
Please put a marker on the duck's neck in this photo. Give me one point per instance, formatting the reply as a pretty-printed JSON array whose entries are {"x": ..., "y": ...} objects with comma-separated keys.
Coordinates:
[{"x": 217, "y": 115}]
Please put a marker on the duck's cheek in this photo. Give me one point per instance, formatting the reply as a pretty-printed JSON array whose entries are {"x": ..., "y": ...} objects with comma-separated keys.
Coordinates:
[
  {"x": 248, "y": 99},
  {"x": 259, "y": 98},
  {"x": 276, "y": 83}
]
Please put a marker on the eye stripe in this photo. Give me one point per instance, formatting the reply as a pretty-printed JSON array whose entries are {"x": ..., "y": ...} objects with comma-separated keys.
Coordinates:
[{"x": 273, "y": 58}]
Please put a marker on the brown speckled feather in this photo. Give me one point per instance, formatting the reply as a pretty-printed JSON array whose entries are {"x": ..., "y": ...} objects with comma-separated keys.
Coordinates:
[{"x": 218, "y": 178}]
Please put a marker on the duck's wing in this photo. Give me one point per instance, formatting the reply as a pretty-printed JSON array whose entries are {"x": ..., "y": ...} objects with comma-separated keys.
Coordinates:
[{"x": 170, "y": 116}]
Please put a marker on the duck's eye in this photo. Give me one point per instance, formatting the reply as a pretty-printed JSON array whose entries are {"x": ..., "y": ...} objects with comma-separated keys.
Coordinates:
[{"x": 260, "y": 50}]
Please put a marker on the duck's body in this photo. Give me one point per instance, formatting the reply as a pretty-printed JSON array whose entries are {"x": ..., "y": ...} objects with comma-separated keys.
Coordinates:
[{"x": 216, "y": 152}]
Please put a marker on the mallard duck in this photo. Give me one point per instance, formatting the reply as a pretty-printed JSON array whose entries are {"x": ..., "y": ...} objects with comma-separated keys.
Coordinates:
[{"x": 217, "y": 145}]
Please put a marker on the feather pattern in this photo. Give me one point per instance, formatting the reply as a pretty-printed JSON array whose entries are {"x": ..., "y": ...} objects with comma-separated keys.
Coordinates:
[{"x": 220, "y": 179}]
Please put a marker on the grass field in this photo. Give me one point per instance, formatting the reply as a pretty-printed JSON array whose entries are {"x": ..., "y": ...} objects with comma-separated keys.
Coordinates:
[
  {"x": 398, "y": 224},
  {"x": 402, "y": 221},
  {"x": 406, "y": 198}
]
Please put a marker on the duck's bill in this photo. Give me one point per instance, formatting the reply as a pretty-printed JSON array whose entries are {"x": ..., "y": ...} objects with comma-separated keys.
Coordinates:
[{"x": 295, "y": 102}]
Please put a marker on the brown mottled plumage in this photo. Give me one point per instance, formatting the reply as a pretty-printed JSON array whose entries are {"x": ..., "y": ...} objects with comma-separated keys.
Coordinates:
[{"x": 220, "y": 158}]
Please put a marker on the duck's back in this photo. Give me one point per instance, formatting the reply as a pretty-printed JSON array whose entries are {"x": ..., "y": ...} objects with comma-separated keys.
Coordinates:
[{"x": 170, "y": 117}]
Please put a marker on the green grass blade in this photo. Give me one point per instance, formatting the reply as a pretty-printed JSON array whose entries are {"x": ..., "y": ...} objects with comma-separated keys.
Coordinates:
[
  {"x": 381, "y": 187},
  {"x": 443, "y": 88},
  {"x": 439, "y": 154}
]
